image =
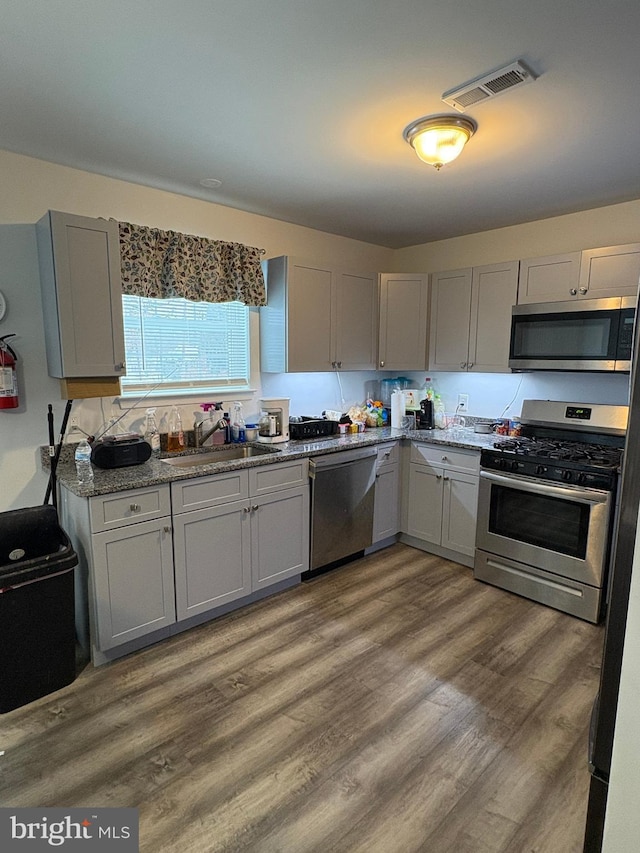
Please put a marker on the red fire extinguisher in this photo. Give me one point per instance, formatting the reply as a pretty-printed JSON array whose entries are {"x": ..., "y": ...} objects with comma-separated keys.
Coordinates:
[{"x": 8, "y": 381}]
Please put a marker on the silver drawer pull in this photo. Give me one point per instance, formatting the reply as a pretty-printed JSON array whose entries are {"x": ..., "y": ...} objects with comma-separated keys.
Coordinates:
[
  {"x": 444, "y": 458},
  {"x": 134, "y": 507}
]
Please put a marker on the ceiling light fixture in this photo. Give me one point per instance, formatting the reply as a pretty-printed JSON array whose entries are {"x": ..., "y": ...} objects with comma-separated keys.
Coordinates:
[{"x": 438, "y": 140}]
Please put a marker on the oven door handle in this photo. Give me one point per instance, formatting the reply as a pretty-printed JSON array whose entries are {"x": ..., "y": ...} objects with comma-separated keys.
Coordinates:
[{"x": 575, "y": 493}]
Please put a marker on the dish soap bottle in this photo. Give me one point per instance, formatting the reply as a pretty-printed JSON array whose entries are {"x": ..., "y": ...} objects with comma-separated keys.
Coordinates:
[
  {"x": 151, "y": 434},
  {"x": 175, "y": 435},
  {"x": 439, "y": 417}
]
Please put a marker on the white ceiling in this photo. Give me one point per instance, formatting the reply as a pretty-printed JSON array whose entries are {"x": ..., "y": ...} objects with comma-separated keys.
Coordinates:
[{"x": 298, "y": 106}]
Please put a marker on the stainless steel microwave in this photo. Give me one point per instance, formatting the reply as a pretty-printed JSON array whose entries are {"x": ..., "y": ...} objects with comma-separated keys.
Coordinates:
[{"x": 590, "y": 334}]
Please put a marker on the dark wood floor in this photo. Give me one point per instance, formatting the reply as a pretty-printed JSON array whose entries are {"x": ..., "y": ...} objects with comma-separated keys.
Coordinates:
[{"x": 393, "y": 705}]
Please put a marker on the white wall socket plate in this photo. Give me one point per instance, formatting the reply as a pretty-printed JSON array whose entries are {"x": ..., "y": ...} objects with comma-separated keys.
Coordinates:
[{"x": 463, "y": 402}]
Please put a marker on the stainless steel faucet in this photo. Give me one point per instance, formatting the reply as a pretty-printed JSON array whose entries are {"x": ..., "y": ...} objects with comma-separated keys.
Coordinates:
[{"x": 201, "y": 437}]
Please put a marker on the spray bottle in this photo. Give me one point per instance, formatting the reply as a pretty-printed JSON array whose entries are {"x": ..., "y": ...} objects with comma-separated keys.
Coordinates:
[{"x": 238, "y": 429}]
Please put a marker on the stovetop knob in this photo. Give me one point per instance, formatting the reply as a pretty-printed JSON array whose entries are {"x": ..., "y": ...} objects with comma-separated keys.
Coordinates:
[{"x": 566, "y": 475}]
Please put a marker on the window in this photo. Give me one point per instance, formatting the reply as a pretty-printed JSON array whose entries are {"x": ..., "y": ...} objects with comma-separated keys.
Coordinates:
[{"x": 183, "y": 346}]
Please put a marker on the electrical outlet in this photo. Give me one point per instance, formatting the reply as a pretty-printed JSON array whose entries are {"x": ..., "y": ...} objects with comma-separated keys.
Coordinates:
[
  {"x": 73, "y": 421},
  {"x": 463, "y": 402}
]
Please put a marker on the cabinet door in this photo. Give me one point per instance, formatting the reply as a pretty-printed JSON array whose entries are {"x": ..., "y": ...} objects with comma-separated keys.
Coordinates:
[
  {"x": 450, "y": 315},
  {"x": 82, "y": 295},
  {"x": 610, "y": 271},
  {"x": 212, "y": 557},
  {"x": 386, "y": 512},
  {"x": 355, "y": 321},
  {"x": 549, "y": 279},
  {"x": 279, "y": 536},
  {"x": 460, "y": 502},
  {"x": 404, "y": 321},
  {"x": 493, "y": 293},
  {"x": 132, "y": 581},
  {"x": 424, "y": 501},
  {"x": 309, "y": 318}
]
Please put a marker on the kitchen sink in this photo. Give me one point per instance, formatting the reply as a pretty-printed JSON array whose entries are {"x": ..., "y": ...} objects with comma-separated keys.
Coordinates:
[{"x": 227, "y": 454}]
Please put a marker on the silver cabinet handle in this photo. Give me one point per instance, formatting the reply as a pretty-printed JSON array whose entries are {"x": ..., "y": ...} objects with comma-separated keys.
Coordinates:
[
  {"x": 382, "y": 364},
  {"x": 463, "y": 364},
  {"x": 246, "y": 509},
  {"x": 583, "y": 290},
  {"x": 119, "y": 367},
  {"x": 167, "y": 529},
  {"x": 255, "y": 508},
  {"x": 438, "y": 476},
  {"x": 573, "y": 291},
  {"x": 470, "y": 365},
  {"x": 445, "y": 478},
  {"x": 134, "y": 507},
  {"x": 444, "y": 458}
]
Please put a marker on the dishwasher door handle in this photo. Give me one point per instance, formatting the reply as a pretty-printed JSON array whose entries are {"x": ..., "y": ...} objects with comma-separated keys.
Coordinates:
[{"x": 339, "y": 459}]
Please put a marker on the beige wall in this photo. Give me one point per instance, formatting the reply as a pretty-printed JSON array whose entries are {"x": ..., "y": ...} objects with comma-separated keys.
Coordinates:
[
  {"x": 31, "y": 187},
  {"x": 604, "y": 226}
]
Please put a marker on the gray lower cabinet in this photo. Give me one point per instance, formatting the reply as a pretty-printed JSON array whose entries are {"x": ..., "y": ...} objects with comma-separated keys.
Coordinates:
[
  {"x": 238, "y": 533},
  {"x": 442, "y": 498},
  {"x": 132, "y": 582},
  {"x": 125, "y": 574},
  {"x": 386, "y": 511},
  {"x": 151, "y": 558}
]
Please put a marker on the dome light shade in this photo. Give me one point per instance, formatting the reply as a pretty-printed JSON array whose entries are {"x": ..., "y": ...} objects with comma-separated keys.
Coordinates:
[{"x": 438, "y": 140}]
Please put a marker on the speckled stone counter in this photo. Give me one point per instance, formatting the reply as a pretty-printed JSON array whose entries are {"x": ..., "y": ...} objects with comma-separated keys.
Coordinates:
[{"x": 155, "y": 471}]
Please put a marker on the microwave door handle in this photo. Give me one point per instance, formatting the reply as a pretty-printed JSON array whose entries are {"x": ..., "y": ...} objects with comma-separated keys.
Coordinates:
[{"x": 587, "y": 496}]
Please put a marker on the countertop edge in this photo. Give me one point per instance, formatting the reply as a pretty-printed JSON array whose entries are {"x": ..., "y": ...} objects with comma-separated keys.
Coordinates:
[{"x": 156, "y": 473}]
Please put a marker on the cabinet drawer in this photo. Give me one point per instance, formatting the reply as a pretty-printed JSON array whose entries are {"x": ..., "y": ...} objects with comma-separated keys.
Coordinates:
[
  {"x": 269, "y": 478},
  {"x": 109, "y": 511},
  {"x": 209, "y": 491},
  {"x": 388, "y": 454},
  {"x": 446, "y": 457}
]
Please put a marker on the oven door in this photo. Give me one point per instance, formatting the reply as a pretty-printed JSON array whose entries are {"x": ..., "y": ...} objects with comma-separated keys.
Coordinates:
[{"x": 556, "y": 528}]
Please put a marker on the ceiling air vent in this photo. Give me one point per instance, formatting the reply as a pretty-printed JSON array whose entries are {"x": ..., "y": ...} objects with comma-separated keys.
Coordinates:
[{"x": 489, "y": 86}]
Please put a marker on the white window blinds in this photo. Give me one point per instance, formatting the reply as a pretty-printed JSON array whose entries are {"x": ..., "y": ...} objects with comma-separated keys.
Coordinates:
[{"x": 185, "y": 345}]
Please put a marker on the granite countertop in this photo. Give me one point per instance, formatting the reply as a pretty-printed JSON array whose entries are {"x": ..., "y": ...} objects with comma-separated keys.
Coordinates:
[{"x": 156, "y": 472}]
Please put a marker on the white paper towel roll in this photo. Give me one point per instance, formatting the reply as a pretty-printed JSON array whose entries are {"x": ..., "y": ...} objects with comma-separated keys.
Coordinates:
[{"x": 397, "y": 409}]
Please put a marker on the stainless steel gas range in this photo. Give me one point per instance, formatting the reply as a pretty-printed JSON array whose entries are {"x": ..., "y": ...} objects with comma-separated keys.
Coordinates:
[{"x": 546, "y": 505}]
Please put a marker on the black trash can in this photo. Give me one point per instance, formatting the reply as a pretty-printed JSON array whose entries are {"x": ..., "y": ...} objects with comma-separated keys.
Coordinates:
[{"x": 37, "y": 622}]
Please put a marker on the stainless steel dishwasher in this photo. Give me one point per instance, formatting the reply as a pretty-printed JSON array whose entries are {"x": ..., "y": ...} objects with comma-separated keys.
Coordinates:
[{"x": 342, "y": 493}]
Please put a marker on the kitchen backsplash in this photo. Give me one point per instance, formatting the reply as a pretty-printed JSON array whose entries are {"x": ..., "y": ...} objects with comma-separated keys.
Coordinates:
[{"x": 490, "y": 395}]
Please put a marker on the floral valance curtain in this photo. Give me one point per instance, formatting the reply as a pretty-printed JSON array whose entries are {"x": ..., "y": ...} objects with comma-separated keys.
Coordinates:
[{"x": 166, "y": 264}]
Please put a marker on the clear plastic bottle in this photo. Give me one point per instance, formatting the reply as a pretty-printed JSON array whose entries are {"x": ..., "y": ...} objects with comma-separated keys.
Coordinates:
[
  {"x": 439, "y": 416},
  {"x": 175, "y": 435},
  {"x": 84, "y": 470},
  {"x": 238, "y": 428},
  {"x": 151, "y": 434}
]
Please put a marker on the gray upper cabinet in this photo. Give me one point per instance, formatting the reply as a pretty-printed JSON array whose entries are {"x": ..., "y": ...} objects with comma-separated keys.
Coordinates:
[
  {"x": 590, "y": 274},
  {"x": 471, "y": 318},
  {"x": 317, "y": 318},
  {"x": 550, "y": 279},
  {"x": 81, "y": 295},
  {"x": 610, "y": 271},
  {"x": 450, "y": 317},
  {"x": 404, "y": 321}
]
